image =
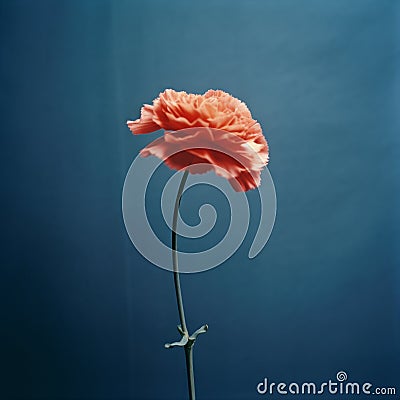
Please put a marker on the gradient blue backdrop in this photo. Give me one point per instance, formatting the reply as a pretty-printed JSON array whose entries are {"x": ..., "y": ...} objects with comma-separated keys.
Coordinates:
[{"x": 83, "y": 315}]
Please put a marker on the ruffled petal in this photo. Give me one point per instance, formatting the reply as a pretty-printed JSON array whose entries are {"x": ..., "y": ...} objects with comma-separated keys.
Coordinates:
[
  {"x": 204, "y": 149},
  {"x": 145, "y": 124}
]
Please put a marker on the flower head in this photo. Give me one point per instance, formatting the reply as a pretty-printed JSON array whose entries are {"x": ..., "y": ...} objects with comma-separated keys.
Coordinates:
[{"x": 212, "y": 131}]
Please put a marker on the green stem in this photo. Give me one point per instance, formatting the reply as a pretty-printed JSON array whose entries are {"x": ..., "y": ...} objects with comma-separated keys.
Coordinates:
[
  {"x": 189, "y": 346},
  {"x": 190, "y": 372}
]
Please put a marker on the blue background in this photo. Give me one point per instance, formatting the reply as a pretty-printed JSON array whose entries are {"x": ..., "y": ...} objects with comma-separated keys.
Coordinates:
[{"x": 83, "y": 315}]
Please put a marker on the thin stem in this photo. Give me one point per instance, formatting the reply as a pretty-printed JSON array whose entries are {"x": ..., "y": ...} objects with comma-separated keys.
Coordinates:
[
  {"x": 175, "y": 253},
  {"x": 189, "y": 345},
  {"x": 190, "y": 372}
]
